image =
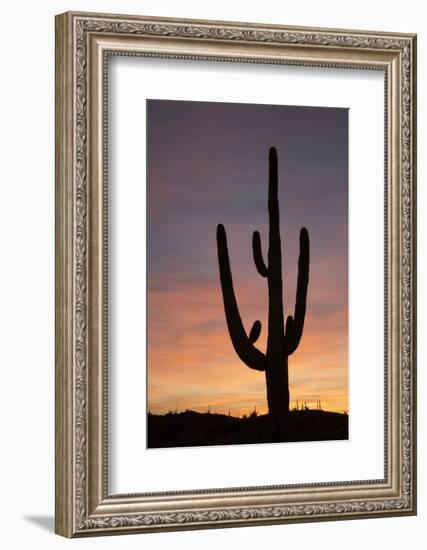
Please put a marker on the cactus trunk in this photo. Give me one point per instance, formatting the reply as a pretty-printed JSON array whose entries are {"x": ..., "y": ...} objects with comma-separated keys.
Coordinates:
[
  {"x": 277, "y": 365},
  {"x": 281, "y": 341},
  {"x": 276, "y": 378}
]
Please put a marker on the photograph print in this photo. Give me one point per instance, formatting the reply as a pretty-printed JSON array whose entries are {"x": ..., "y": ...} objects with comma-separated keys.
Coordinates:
[{"x": 247, "y": 273}]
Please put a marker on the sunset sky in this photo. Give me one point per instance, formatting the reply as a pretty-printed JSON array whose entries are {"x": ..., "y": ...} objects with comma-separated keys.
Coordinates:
[{"x": 207, "y": 163}]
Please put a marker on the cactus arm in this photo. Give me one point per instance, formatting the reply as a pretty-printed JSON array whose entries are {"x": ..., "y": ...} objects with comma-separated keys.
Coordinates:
[
  {"x": 295, "y": 325},
  {"x": 255, "y": 332},
  {"x": 289, "y": 329},
  {"x": 243, "y": 346},
  {"x": 257, "y": 251}
]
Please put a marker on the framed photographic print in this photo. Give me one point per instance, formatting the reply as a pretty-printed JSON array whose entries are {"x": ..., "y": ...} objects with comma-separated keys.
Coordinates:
[{"x": 235, "y": 274}]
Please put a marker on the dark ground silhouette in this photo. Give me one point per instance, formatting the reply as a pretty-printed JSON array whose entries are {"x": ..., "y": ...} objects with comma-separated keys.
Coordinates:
[{"x": 191, "y": 428}]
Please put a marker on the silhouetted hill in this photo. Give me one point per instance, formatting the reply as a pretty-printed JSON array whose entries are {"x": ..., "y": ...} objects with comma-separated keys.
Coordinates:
[{"x": 191, "y": 428}]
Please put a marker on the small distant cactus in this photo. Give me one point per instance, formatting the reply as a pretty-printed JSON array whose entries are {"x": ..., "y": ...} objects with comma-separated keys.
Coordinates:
[
  {"x": 254, "y": 413},
  {"x": 282, "y": 341}
]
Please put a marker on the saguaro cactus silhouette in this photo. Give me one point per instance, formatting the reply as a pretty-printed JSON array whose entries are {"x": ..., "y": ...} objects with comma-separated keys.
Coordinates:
[{"x": 282, "y": 340}]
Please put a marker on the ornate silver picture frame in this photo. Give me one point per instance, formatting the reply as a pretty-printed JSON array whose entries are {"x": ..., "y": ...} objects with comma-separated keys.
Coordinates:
[{"x": 84, "y": 504}]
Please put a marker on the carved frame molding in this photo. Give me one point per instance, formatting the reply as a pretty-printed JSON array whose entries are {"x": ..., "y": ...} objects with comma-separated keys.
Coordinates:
[{"x": 83, "y": 43}]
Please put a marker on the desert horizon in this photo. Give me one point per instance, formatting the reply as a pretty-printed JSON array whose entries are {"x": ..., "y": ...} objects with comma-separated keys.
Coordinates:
[{"x": 261, "y": 408}]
